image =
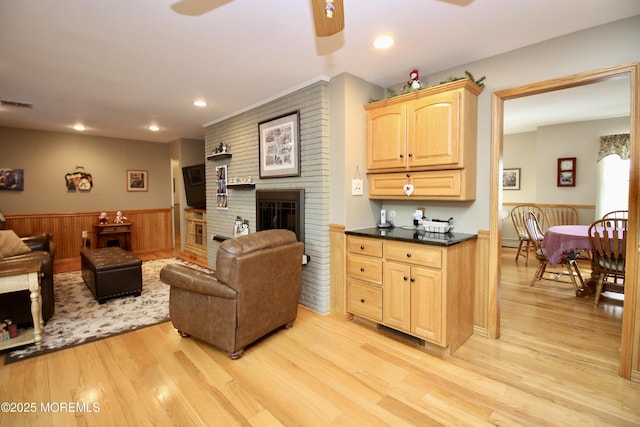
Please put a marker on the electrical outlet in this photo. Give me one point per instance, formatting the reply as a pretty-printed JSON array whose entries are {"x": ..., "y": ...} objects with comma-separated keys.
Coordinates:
[
  {"x": 356, "y": 187},
  {"x": 84, "y": 234}
]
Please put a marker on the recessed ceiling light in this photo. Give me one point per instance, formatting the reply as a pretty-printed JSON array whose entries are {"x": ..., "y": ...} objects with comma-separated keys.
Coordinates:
[
  {"x": 154, "y": 128},
  {"x": 383, "y": 42},
  {"x": 79, "y": 127},
  {"x": 200, "y": 103}
]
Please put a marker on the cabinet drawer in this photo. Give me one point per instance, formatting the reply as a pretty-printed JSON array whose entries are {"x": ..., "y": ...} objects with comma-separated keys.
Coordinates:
[
  {"x": 413, "y": 254},
  {"x": 364, "y": 246},
  {"x": 364, "y": 300},
  {"x": 436, "y": 185},
  {"x": 365, "y": 268}
]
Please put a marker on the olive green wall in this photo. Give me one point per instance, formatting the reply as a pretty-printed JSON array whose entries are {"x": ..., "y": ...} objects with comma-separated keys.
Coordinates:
[{"x": 47, "y": 157}]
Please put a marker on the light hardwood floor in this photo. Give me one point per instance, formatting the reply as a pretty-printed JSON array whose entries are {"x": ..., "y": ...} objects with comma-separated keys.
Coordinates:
[{"x": 556, "y": 364}]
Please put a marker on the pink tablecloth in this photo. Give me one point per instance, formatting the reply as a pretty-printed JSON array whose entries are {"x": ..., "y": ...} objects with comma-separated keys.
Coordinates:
[{"x": 562, "y": 239}]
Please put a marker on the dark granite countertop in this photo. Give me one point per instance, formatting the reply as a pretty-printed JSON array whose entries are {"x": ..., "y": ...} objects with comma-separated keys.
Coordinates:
[{"x": 413, "y": 235}]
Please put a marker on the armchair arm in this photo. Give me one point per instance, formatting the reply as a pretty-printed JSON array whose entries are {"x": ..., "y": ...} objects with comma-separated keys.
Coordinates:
[{"x": 190, "y": 279}]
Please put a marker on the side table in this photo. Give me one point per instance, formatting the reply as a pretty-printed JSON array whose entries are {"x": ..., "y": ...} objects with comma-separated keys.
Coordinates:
[
  {"x": 17, "y": 276},
  {"x": 105, "y": 233}
]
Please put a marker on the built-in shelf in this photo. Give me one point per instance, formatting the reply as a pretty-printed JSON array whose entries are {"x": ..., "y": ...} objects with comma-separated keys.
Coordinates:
[
  {"x": 218, "y": 156},
  {"x": 243, "y": 185}
]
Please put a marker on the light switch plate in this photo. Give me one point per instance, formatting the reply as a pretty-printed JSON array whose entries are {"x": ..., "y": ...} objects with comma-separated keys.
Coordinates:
[{"x": 356, "y": 187}]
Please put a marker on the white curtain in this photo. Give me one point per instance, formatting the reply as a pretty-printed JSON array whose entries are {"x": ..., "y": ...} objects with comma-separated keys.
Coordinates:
[{"x": 613, "y": 174}]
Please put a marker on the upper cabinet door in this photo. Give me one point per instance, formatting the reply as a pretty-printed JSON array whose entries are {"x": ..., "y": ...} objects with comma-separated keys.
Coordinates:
[
  {"x": 433, "y": 125},
  {"x": 386, "y": 137}
]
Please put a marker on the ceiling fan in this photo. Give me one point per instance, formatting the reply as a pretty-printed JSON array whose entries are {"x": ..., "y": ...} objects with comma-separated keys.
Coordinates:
[{"x": 328, "y": 15}]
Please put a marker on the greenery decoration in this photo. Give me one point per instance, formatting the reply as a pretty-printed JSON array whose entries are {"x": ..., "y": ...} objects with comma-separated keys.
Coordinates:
[
  {"x": 405, "y": 89},
  {"x": 467, "y": 75}
]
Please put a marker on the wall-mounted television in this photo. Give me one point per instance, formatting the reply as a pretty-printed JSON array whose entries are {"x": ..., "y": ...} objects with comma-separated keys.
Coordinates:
[{"x": 194, "y": 186}]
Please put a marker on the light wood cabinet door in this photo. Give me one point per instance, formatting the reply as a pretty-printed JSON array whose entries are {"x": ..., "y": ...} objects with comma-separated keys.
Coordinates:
[
  {"x": 427, "y": 304},
  {"x": 364, "y": 300},
  {"x": 386, "y": 137},
  {"x": 433, "y": 131},
  {"x": 396, "y": 296}
]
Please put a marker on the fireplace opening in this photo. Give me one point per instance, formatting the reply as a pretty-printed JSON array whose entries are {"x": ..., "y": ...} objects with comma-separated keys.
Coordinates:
[{"x": 281, "y": 209}]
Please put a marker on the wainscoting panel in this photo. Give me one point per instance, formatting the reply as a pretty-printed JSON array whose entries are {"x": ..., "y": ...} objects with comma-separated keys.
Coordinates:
[
  {"x": 481, "y": 295},
  {"x": 152, "y": 229}
]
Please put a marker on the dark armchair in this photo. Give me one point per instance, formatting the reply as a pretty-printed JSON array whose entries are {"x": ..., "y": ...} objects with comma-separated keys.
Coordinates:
[{"x": 254, "y": 291}]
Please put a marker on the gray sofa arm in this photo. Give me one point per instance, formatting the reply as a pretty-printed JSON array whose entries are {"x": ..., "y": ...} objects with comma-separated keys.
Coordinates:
[{"x": 181, "y": 276}]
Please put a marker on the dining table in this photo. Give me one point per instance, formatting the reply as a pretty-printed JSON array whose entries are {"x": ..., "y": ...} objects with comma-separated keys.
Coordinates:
[{"x": 561, "y": 240}]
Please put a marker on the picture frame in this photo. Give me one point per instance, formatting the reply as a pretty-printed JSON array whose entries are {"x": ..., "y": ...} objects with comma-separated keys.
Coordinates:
[
  {"x": 222, "y": 192},
  {"x": 279, "y": 146},
  {"x": 137, "y": 180},
  {"x": 511, "y": 179},
  {"x": 11, "y": 179},
  {"x": 566, "y": 172}
]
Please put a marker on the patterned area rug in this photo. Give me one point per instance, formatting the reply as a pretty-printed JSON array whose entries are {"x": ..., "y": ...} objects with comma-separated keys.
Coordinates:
[{"x": 79, "y": 319}]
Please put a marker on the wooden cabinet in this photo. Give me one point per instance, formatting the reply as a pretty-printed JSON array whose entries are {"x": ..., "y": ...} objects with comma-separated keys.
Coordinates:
[
  {"x": 364, "y": 277},
  {"x": 196, "y": 238},
  {"x": 432, "y": 129},
  {"x": 427, "y": 185},
  {"x": 426, "y": 290}
]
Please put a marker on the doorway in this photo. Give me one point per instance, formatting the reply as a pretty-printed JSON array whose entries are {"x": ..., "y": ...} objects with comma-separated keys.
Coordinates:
[{"x": 628, "y": 348}]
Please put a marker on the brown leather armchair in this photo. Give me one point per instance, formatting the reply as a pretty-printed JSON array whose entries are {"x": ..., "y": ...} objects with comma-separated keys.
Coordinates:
[
  {"x": 254, "y": 291},
  {"x": 17, "y": 305}
]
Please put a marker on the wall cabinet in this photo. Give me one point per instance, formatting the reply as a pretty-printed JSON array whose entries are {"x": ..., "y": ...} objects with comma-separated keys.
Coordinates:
[
  {"x": 422, "y": 290},
  {"x": 432, "y": 129},
  {"x": 196, "y": 239}
]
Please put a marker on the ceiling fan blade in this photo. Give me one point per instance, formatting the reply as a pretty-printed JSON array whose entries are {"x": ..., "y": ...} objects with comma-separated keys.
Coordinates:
[
  {"x": 196, "y": 7},
  {"x": 327, "y": 26}
]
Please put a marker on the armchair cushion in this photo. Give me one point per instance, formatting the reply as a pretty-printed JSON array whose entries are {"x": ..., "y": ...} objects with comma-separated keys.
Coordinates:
[{"x": 11, "y": 244}]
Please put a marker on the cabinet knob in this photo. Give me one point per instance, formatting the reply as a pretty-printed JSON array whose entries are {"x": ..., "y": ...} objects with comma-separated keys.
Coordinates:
[
  {"x": 402, "y": 156},
  {"x": 362, "y": 269},
  {"x": 362, "y": 300},
  {"x": 408, "y": 175},
  {"x": 362, "y": 247},
  {"x": 405, "y": 278},
  {"x": 413, "y": 279},
  {"x": 408, "y": 254},
  {"x": 410, "y": 155}
]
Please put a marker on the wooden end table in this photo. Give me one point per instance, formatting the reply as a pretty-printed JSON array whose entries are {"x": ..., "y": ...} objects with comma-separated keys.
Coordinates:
[{"x": 24, "y": 275}]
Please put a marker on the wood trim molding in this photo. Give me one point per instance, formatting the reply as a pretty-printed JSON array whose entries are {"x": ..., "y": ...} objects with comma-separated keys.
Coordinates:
[
  {"x": 481, "y": 290},
  {"x": 338, "y": 244}
]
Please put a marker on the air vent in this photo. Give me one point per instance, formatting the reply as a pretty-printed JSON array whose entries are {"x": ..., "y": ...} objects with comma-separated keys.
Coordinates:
[{"x": 15, "y": 104}]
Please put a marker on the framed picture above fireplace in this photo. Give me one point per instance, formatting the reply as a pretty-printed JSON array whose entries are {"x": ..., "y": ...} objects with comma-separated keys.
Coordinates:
[{"x": 279, "y": 146}]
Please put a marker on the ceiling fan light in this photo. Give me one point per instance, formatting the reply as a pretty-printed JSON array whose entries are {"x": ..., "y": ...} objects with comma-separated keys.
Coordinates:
[
  {"x": 329, "y": 8},
  {"x": 383, "y": 42}
]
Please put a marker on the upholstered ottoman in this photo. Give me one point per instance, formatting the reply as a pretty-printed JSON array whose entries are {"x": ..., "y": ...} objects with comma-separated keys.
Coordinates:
[{"x": 111, "y": 272}]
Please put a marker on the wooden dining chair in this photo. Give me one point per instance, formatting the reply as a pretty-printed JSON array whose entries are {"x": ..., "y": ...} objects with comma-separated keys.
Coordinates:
[
  {"x": 536, "y": 237},
  {"x": 560, "y": 215},
  {"x": 608, "y": 239},
  {"x": 616, "y": 215},
  {"x": 523, "y": 237}
]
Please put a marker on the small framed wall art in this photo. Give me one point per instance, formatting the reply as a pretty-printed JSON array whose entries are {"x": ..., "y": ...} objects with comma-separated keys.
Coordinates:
[
  {"x": 567, "y": 172},
  {"x": 137, "y": 180},
  {"x": 279, "y": 146},
  {"x": 511, "y": 179}
]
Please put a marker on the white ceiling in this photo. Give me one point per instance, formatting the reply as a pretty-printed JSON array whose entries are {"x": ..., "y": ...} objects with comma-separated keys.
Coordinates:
[{"x": 119, "y": 65}]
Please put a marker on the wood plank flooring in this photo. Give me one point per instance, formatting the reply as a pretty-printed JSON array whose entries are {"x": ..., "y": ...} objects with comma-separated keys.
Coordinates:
[{"x": 556, "y": 364}]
